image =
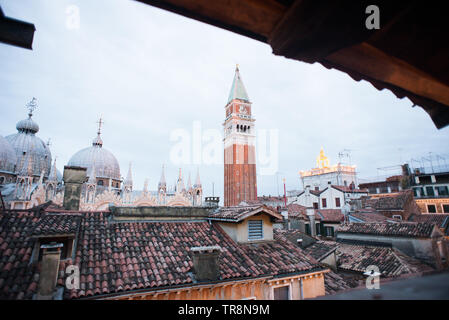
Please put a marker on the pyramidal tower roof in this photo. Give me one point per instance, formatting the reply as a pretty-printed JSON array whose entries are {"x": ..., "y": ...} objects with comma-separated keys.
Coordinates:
[{"x": 238, "y": 90}]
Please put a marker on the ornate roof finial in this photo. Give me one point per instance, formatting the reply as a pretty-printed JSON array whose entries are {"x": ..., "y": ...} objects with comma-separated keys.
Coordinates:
[
  {"x": 100, "y": 122},
  {"x": 97, "y": 141},
  {"x": 32, "y": 105}
]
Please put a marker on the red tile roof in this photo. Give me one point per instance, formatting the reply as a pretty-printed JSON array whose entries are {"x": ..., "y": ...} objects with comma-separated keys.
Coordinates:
[
  {"x": 238, "y": 213},
  {"x": 390, "y": 201},
  {"x": 321, "y": 249},
  {"x": 440, "y": 219},
  {"x": 333, "y": 283},
  {"x": 296, "y": 210},
  {"x": 375, "y": 216},
  {"x": 53, "y": 224},
  {"x": 114, "y": 256},
  {"x": 391, "y": 262},
  {"x": 402, "y": 229},
  {"x": 330, "y": 215},
  {"x": 349, "y": 190}
]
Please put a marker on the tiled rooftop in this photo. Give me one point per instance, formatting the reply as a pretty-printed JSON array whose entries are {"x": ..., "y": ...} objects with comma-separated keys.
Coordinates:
[
  {"x": 391, "y": 262},
  {"x": 333, "y": 283},
  {"x": 349, "y": 190},
  {"x": 440, "y": 219},
  {"x": 390, "y": 201},
  {"x": 321, "y": 249},
  {"x": 238, "y": 213},
  {"x": 372, "y": 217},
  {"x": 116, "y": 257},
  {"x": 330, "y": 215},
  {"x": 296, "y": 210},
  {"x": 402, "y": 229}
]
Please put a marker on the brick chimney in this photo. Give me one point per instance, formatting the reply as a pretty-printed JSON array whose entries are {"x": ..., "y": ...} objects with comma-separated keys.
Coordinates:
[
  {"x": 74, "y": 177},
  {"x": 206, "y": 262},
  {"x": 49, "y": 270}
]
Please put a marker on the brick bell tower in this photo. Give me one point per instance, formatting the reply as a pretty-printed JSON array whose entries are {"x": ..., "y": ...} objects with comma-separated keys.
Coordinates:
[{"x": 239, "y": 146}]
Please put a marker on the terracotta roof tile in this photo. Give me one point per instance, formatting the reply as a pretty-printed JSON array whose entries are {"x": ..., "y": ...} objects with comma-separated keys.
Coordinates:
[
  {"x": 321, "y": 249},
  {"x": 330, "y": 215},
  {"x": 238, "y": 213},
  {"x": 440, "y": 219},
  {"x": 402, "y": 229},
  {"x": 391, "y": 262},
  {"x": 118, "y": 256}
]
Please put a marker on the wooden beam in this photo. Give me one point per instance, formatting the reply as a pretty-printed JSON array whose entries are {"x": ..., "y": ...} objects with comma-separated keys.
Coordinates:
[
  {"x": 16, "y": 32},
  {"x": 251, "y": 18},
  {"x": 373, "y": 63}
]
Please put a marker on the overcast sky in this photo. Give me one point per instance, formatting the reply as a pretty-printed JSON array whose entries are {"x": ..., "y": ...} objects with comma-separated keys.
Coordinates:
[{"x": 151, "y": 73}]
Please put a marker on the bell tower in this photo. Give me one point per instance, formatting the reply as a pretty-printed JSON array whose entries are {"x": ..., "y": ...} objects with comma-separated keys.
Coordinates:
[{"x": 239, "y": 146}]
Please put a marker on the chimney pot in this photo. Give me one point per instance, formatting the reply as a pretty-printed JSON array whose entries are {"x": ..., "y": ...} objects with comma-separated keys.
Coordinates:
[
  {"x": 49, "y": 270},
  {"x": 206, "y": 262}
]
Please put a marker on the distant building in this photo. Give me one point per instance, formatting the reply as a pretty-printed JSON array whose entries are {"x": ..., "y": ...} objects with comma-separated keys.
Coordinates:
[
  {"x": 431, "y": 191},
  {"x": 325, "y": 174},
  {"x": 28, "y": 178},
  {"x": 331, "y": 197},
  {"x": 390, "y": 184}
]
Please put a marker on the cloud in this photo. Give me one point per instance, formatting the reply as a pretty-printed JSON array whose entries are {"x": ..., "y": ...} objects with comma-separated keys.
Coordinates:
[{"x": 149, "y": 72}]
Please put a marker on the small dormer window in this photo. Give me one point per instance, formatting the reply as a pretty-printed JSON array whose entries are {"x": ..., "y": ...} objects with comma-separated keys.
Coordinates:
[{"x": 255, "y": 230}]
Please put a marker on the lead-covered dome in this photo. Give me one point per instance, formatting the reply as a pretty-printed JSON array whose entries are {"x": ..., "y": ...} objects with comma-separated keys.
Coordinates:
[
  {"x": 25, "y": 143},
  {"x": 106, "y": 165},
  {"x": 8, "y": 158}
]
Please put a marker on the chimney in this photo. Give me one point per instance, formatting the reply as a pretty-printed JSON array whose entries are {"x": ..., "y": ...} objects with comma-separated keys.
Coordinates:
[
  {"x": 74, "y": 177},
  {"x": 212, "y": 201},
  {"x": 307, "y": 190},
  {"x": 311, "y": 215},
  {"x": 49, "y": 270},
  {"x": 205, "y": 262}
]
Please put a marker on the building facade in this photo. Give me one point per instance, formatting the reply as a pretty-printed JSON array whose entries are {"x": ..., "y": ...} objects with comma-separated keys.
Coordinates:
[
  {"x": 240, "y": 183},
  {"x": 324, "y": 174}
]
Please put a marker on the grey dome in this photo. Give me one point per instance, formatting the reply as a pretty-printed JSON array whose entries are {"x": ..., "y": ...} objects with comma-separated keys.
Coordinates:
[
  {"x": 8, "y": 158},
  {"x": 106, "y": 165},
  {"x": 25, "y": 142},
  {"x": 27, "y": 125}
]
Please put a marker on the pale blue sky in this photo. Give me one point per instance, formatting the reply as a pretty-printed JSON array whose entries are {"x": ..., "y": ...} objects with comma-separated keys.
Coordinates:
[{"x": 149, "y": 72}]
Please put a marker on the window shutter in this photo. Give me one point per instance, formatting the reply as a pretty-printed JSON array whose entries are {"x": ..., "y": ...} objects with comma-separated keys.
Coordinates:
[{"x": 255, "y": 229}]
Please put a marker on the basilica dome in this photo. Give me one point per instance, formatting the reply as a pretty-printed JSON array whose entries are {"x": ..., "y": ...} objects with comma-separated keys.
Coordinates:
[
  {"x": 25, "y": 142},
  {"x": 104, "y": 162},
  {"x": 8, "y": 158}
]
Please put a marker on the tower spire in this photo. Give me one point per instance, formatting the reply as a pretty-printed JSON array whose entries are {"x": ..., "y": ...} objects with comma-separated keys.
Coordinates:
[
  {"x": 238, "y": 90},
  {"x": 189, "y": 183},
  {"x": 197, "y": 181},
  {"x": 129, "y": 179}
]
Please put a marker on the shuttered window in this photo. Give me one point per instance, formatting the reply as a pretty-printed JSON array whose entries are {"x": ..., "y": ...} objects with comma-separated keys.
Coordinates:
[
  {"x": 281, "y": 293},
  {"x": 255, "y": 229}
]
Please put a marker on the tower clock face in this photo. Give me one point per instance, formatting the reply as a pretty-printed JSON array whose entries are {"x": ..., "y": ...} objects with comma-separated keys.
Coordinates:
[{"x": 242, "y": 109}]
